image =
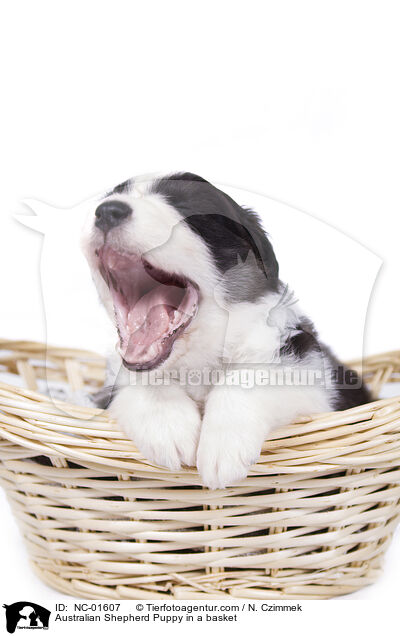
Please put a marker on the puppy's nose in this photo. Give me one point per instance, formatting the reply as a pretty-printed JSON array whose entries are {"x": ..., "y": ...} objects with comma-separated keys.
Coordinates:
[{"x": 110, "y": 214}]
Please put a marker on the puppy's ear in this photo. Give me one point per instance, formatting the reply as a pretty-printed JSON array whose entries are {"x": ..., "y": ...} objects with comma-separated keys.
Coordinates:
[{"x": 260, "y": 243}]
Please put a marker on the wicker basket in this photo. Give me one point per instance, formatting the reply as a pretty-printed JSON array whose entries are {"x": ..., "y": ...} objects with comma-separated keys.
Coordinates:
[{"x": 313, "y": 519}]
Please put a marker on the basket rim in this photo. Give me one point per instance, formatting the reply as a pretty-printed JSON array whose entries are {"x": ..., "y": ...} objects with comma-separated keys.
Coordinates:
[{"x": 38, "y": 423}]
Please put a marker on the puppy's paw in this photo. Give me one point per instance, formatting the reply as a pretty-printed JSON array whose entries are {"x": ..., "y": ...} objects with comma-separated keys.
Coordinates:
[
  {"x": 166, "y": 432},
  {"x": 169, "y": 439},
  {"x": 225, "y": 456}
]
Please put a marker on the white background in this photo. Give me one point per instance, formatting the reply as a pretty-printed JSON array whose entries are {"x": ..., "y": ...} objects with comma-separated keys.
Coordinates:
[{"x": 297, "y": 101}]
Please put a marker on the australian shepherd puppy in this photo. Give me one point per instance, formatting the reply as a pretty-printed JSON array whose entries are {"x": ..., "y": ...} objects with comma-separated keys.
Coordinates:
[{"x": 191, "y": 281}]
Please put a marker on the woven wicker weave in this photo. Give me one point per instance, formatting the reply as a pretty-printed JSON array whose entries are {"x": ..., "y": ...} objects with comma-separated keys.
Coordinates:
[{"x": 312, "y": 520}]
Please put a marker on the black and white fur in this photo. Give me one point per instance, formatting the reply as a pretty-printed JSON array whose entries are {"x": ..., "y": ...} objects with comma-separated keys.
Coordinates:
[{"x": 245, "y": 318}]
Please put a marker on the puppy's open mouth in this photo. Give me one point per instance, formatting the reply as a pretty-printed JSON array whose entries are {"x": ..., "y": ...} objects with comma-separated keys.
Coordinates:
[{"x": 152, "y": 307}]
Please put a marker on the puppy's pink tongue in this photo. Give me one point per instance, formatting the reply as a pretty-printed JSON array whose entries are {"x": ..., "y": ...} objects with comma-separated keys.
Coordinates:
[{"x": 148, "y": 322}]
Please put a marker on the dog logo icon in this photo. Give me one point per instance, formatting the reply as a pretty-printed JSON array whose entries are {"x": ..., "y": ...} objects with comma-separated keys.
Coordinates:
[{"x": 26, "y": 615}]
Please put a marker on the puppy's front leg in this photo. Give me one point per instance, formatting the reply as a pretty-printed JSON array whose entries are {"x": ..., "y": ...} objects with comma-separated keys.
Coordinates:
[
  {"x": 237, "y": 420},
  {"x": 163, "y": 422},
  {"x": 233, "y": 431}
]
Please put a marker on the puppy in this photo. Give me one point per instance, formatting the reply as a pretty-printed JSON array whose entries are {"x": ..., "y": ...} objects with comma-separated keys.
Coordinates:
[{"x": 191, "y": 281}]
